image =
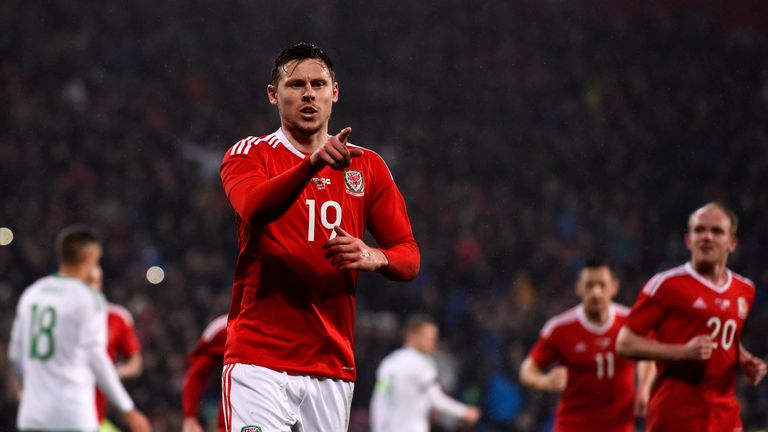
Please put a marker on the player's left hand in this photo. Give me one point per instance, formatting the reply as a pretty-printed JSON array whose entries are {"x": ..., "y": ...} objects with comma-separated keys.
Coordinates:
[
  {"x": 754, "y": 369},
  {"x": 348, "y": 252}
]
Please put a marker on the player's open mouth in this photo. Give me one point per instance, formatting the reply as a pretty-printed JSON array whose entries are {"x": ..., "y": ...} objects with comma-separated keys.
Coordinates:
[{"x": 308, "y": 110}]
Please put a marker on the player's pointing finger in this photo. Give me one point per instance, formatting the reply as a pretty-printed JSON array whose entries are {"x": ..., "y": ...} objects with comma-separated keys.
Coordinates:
[{"x": 343, "y": 136}]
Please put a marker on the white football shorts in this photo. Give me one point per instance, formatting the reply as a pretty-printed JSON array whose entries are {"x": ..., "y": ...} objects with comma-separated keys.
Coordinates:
[{"x": 258, "y": 399}]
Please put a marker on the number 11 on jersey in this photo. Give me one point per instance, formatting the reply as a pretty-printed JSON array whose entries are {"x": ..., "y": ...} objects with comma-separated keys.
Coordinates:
[
  {"x": 605, "y": 366},
  {"x": 323, "y": 218}
]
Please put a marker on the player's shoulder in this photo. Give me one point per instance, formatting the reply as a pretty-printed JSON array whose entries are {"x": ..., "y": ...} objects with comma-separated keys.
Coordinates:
[
  {"x": 213, "y": 328},
  {"x": 560, "y": 320},
  {"x": 251, "y": 144},
  {"x": 661, "y": 279},
  {"x": 71, "y": 288},
  {"x": 120, "y": 312},
  {"x": 742, "y": 280},
  {"x": 368, "y": 154},
  {"x": 621, "y": 310},
  {"x": 373, "y": 160}
]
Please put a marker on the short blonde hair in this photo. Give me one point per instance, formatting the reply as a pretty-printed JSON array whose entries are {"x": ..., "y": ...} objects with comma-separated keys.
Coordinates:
[{"x": 725, "y": 209}]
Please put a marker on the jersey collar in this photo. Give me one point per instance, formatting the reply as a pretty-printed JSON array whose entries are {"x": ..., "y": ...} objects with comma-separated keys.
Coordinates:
[
  {"x": 287, "y": 144},
  {"x": 706, "y": 282},
  {"x": 601, "y": 329}
]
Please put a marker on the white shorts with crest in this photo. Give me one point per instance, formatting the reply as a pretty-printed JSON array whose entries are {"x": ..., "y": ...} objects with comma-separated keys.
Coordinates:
[{"x": 258, "y": 399}]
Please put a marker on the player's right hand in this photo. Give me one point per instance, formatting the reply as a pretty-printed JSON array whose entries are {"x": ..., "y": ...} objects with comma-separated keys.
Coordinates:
[
  {"x": 191, "y": 424},
  {"x": 335, "y": 153},
  {"x": 557, "y": 378},
  {"x": 136, "y": 421},
  {"x": 699, "y": 348}
]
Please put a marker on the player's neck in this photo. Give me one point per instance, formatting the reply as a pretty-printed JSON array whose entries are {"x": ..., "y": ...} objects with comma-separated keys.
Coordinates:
[
  {"x": 306, "y": 142},
  {"x": 74, "y": 272},
  {"x": 713, "y": 272},
  {"x": 597, "y": 318}
]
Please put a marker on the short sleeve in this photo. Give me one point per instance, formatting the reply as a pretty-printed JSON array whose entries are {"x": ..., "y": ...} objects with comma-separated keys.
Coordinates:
[
  {"x": 544, "y": 352},
  {"x": 645, "y": 314},
  {"x": 427, "y": 374},
  {"x": 93, "y": 328},
  {"x": 129, "y": 343},
  {"x": 243, "y": 161}
]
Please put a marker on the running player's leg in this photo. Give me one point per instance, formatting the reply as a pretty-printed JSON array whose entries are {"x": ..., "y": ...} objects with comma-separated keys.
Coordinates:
[
  {"x": 326, "y": 406},
  {"x": 254, "y": 400}
]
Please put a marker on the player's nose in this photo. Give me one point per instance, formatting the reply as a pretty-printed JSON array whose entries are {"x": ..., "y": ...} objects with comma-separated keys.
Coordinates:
[{"x": 309, "y": 93}]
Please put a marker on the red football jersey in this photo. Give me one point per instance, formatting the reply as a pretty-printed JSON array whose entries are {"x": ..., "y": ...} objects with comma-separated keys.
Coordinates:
[
  {"x": 205, "y": 359},
  {"x": 600, "y": 392},
  {"x": 675, "y": 306},
  {"x": 121, "y": 343},
  {"x": 293, "y": 311}
]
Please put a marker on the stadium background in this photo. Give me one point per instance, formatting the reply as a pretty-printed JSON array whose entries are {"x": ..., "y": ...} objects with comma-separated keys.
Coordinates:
[{"x": 525, "y": 136}]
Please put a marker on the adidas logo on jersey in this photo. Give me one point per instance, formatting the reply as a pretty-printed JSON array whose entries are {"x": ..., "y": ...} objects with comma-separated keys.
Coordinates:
[{"x": 699, "y": 304}]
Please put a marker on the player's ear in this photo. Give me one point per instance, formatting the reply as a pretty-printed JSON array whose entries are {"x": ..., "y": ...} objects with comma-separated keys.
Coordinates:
[
  {"x": 734, "y": 243},
  {"x": 687, "y": 239},
  {"x": 272, "y": 94},
  {"x": 335, "y": 91}
]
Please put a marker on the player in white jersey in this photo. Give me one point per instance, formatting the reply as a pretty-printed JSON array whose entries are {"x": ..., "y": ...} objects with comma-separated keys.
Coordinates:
[
  {"x": 58, "y": 345},
  {"x": 406, "y": 385}
]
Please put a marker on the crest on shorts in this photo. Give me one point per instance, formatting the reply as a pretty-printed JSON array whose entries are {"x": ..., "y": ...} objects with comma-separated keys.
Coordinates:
[
  {"x": 251, "y": 429},
  {"x": 743, "y": 307},
  {"x": 355, "y": 183}
]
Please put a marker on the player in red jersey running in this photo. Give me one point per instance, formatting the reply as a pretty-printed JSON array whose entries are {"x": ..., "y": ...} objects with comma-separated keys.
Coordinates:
[
  {"x": 689, "y": 319},
  {"x": 598, "y": 386},
  {"x": 205, "y": 359},
  {"x": 122, "y": 343},
  {"x": 303, "y": 200}
]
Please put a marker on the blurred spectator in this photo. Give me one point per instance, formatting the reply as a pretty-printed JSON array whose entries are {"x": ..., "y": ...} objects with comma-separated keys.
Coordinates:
[{"x": 526, "y": 136}]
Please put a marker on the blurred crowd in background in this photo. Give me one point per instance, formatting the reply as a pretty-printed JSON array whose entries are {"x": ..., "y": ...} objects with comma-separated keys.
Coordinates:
[{"x": 525, "y": 136}]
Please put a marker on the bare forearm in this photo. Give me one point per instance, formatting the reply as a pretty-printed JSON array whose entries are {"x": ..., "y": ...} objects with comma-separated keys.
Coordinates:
[
  {"x": 646, "y": 373},
  {"x": 632, "y": 345},
  {"x": 131, "y": 368},
  {"x": 533, "y": 377}
]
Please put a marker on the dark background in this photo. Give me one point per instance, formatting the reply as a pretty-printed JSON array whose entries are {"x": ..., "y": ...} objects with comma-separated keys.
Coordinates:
[{"x": 526, "y": 136}]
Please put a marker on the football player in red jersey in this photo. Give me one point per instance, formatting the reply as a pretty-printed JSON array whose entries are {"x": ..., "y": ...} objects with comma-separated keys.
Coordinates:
[
  {"x": 689, "y": 319},
  {"x": 204, "y": 360},
  {"x": 598, "y": 386},
  {"x": 303, "y": 200},
  {"x": 122, "y": 342}
]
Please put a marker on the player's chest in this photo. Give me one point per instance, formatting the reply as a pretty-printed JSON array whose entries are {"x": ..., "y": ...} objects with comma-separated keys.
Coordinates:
[
  {"x": 350, "y": 185},
  {"x": 584, "y": 349},
  {"x": 701, "y": 304}
]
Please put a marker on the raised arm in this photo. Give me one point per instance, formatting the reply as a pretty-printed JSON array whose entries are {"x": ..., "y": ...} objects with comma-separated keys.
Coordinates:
[{"x": 260, "y": 200}]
